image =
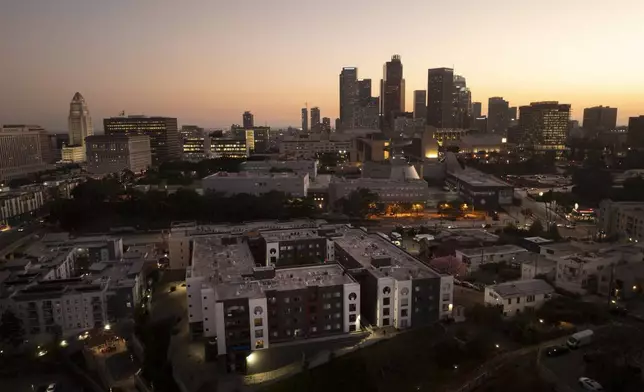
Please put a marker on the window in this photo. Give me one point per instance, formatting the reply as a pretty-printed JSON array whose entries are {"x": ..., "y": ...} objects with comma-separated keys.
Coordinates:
[
  {"x": 259, "y": 344},
  {"x": 352, "y": 318},
  {"x": 445, "y": 307},
  {"x": 338, "y": 326},
  {"x": 275, "y": 334},
  {"x": 337, "y": 294},
  {"x": 385, "y": 312},
  {"x": 352, "y": 328},
  {"x": 385, "y": 301},
  {"x": 287, "y": 300},
  {"x": 446, "y": 297},
  {"x": 509, "y": 301},
  {"x": 404, "y": 313},
  {"x": 352, "y": 307},
  {"x": 314, "y": 329},
  {"x": 519, "y": 300},
  {"x": 338, "y": 304},
  {"x": 404, "y": 301},
  {"x": 326, "y": 306},
  {"x": 258, "y": 322},
  {"x": 403, "y": 323},
  {"x": 385, "y": 321},
  {"x": 417, "y": 288},
  {"x": 259, "y": 333},
  {"x": 288, "y": 332},
  {"x": 530, "y": 298},
  {"x": 327, "y": 327}
]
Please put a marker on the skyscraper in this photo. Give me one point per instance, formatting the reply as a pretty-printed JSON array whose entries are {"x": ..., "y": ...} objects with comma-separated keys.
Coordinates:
[
  {"x": 440, "y": 94},
  {"x": 348, "y": 97},
  {"x": 462, "y": 100},
  {"x": 326, "y": 124},
  {"x": 636, "y": 132},
  {"x": 315, "y": 119},
  {"x": 420, "y": 104},
  {"x": 364, "y": 91},
  {"x": 599, "y": 118},
  {"x": 393, "y": 94},
  {"x": 248, "y": 120},
  {"x": 305, "y": 119},
  {"x": 497, "y": 115},
  {"x": 543, "y": 126},
  {"x": 476, "y": 109},
  {"x": 163, "y": 133},
  {"x": 79, "y": 127},
  {"x": 512, "y": 114}
]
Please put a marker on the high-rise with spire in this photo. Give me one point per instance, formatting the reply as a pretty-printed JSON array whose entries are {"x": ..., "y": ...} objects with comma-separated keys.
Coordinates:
[{"x": 79, "y": 127}]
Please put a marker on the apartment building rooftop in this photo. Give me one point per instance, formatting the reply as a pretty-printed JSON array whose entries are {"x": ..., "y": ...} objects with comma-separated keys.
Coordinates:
[
  {"x": 522, "y": 288},
  {"x": 498, "y": 249},
  {"x": 232, "y": 272},
  {"x": 477, "y": 178},
  {"x": 290, "y": 235},
  {"x": 47, "y": 289},
  {"x": 381, "y": 257},
  {"x": 191, "y": 228}
]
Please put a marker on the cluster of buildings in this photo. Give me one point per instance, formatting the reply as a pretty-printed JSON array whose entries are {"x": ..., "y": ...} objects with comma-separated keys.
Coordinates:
[
  {"x": 61, "y": 285},
  {"x": 251, "y": 286}
]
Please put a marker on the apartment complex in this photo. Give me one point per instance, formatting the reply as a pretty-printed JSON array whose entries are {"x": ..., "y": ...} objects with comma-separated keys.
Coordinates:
[
  {"x": 165, "y": 143},
  {"x": 16, "y": 204},
  {"x": 257, "y": 183},
  {"x": 474, "y": 257},
  {"x": 115, "y": 153}
]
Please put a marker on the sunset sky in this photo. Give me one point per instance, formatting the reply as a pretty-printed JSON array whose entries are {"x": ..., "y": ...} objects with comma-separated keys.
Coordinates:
[{"x": 206, "y": 61}]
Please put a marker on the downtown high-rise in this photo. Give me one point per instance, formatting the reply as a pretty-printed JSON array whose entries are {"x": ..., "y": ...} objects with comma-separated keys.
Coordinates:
[
  {"x": 462, "y": 100},
  {"x": 440, "y": 96},
  {"x": 420, "y": 104},
  {"x": 599, "y": 119},
  {"x": 315, "y": 119},
  {"x": 393, "y": 91},
  {"x": 498, "y": 111},
  {"x": 348, "y": 97},
  {"x": 543, "y": 126},
  {"x": 305, "y": 119}
]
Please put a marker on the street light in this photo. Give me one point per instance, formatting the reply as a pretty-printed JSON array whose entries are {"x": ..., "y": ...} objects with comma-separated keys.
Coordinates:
[
  {"x": 107, "y": 327},
  {"x": 541, "y": 321}
]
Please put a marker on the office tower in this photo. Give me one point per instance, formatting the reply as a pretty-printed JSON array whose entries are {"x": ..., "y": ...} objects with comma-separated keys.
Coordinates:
[
  {"x": 348, "y": 97},
  {"x": 543, "y": 126},
  {"x": 326, "y": 124},
  {"x": 257, "y": 138},
  {"x": 599, "y": 119},
  {"x": 497, "y": 115},
  {"x": 115, "y": 153},
  {"x": 420, "y": 104},
  {"x": 248, "y": 120},
  {"x": 512, "y": 114},
  {"x": 480, "y": 124},
  {"x": 393, "y": 94},
  {"x": 163, "y": 132},
  {"x": 476, "y": 109},
  {"x": 79, "y": 127},
  {"x": 195, "y": 142},
  {"x": 24, "y": 149},
  {"x": 338, "y": 124},
  {"x": 440, "y": 94},
  {"x": 305, "y": 119},
  {"x": 364, "y": 92},
  {"x": 368, "y": 114},
  {"x": 462, "y": 99},
  {"x": 315, "y": 119},
  {"x": 635, "y": 136}
]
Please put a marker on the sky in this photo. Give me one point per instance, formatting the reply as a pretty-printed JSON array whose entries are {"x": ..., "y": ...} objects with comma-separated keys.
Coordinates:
[{"x": 207, "y": 61}]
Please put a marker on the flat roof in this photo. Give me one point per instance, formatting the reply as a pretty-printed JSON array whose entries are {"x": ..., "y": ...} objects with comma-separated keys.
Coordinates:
[
  {"x": 463, "y": 235},
  {"x": 538, "y": 240},
  {"x": 254, "y": 174},
  {"x": 477, "y": 178},
  {"x": 242, "y": 228},
  {"x": 498, "y": 249},
  {"x": 521, "y": 288},
  {"x": 228, "y": 269},
  {"x": 363, "y": 247},
  {"x": 289, "y": 235}
]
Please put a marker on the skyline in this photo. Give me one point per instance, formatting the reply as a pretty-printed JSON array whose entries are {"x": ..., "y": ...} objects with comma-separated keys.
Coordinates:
[{"x": 208, "y": 63}]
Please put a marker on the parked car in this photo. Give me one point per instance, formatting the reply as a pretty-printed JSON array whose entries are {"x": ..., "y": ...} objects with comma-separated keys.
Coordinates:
[
  {"x": 556, "y": 351},
  {"x": 588, "y": 384}
]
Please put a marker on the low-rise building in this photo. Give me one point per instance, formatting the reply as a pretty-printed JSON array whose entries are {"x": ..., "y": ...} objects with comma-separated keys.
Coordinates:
[
  {"x": 518, "y": 296},
  {"x": 299, "y": 166},
  {"x": 246, "y": 307},
  {"x": 479, "y": 189},
  {"x": 15, "y": 205},
  {"x": 118, "y": 152},
  {"x": 623, "y": 219},
  {"x": 474, "y": 257},
  {"x": 396, "y": 288},
  {"x": 540, "y": 266},
  {"x": 228, "y": 148},
  {"x": 309, "y": 145},
  {"x": 255, "y": 183}
]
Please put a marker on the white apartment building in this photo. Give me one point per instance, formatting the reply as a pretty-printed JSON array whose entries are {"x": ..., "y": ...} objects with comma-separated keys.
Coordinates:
[
  {"x": 255, "y": 183},
  {"x": 474, "y": 257},
  {"x": 13, "y": 204},
  {"x": 516, "y": 297},
  {"x": 623, "y": 219},
  {"x": 300, "y": 166},
  {"x": 307, "y": 146}
]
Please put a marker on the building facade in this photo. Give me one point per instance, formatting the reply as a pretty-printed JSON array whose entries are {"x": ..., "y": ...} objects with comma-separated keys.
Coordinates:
[
  {"x": 420, "y": 104},
  {"x": 80, "y": 125},
  {"x": 24, "y": 149},
  {"x": 599, "y": 119},
  {"x": 315, "y": 119},
  {"x": 440, "y": 94},
  {"x": 165, "y": 142},
  {"x": 349, "y": 98},
  {"x": 301, "y": 167},
  {"x": 543, "y": 126},
  {"x": 228, "y": 148},
  {"x": 636, "y": 132},
  {"x": 498, "y": 120},
  {"x": 248, "y": 120},
  {"x": 393, "y": 91},
  {"x": 256, "y": 183},
  {"x": 115, "y": 153},
  {"x": 518, "y": 296}
]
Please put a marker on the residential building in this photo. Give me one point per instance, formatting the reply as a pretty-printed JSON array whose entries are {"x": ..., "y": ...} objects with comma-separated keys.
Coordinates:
[
  {"x": 396, "y": 289},
  {"x": 165, "y": 142},
  {"x": 636, "y": 132},
  {"x": 480, "y": 190},
  {"x": 393, "y": 91},
  {"x": 622, "y": 281},
  {"x": 315, "y": 119},
  {"x": 349, "y": 98},
  {"x": 288, "y": 247},
  {"x": 599, "y": 119},
  {"x": 420, "y": 104},
  {"x": 497, "y": 115},
  {"x": 440, "y": 94},
  {"x": 16, "y": 205},
  {"x": 305, "y": 120},
  {"x": 80, "y": 127},
  {"x": 256, "y": 183},
  {"x": 24, "y": 149},
  {"x": 301, "y": 167},
  {"x": 244, "y": 308},
  {"x": 115, "y": 153},
  {"x": 474, "y": 257},
  {"x": 543, "y": 126},
  {"x": 228, "y": 148},
  {"x": 518, "y": 296},
  {"x": 623, "y": 219},
  {"x": 248, "y": 120},
  {"x": 540, "y": 266}
]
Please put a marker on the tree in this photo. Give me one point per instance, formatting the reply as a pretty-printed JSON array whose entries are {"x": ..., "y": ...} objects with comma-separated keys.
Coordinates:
[
  {"x": 536, "y": 228},
  {"x": 11, "y": 329},
  {"x": 633, "y": 189},
  {"x": 359, "y": 203},
  {"x": 449, "y": 265}
]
